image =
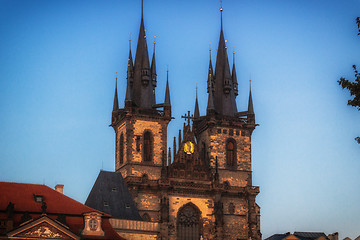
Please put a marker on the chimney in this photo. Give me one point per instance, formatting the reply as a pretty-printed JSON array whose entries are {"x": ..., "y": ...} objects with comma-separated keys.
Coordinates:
[
  {"x": 334, "y": 236},
  {"x": 59, "y": 188}
]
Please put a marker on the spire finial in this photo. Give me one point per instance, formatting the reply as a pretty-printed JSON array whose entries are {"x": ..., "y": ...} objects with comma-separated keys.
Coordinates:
[
  {"x": 142, "y": 8},
  {"x": 129, "y": 40},
  {"x": 221, "y": 10},
  {"x": 210, "y": 50},
  {"x": 234, "y": 54},
  {"x": 196, "y": 89}
]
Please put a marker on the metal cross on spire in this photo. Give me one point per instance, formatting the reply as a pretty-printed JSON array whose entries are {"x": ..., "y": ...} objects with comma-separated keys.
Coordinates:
[{"x": 188, "y": 117}]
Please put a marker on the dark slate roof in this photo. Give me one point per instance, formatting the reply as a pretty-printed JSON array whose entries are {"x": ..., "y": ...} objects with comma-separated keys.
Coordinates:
[
  {"x": 300, "y": 235},
  {"x": 277, "y": 237},
  {"x": 111, "y": 195},
  {"x": 310, "y": 235}
]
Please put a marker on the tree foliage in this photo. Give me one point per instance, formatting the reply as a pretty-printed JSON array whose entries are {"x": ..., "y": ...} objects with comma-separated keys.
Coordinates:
[{"x": 353, "y": 87}]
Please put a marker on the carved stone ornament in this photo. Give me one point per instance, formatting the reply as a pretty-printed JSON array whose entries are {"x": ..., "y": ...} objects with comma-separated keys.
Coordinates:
[
  {"x": 44, "y": 231},
  {"x": 188, "y": 216}
]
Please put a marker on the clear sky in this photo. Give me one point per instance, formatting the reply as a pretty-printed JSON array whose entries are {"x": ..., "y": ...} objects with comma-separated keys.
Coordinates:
[{"x": 57, "y": 74}]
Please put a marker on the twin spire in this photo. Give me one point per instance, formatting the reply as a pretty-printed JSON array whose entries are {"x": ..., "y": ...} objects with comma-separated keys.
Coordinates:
[
  {"x": 141, "y": 76},
  {"x": 222, "y": 86}
]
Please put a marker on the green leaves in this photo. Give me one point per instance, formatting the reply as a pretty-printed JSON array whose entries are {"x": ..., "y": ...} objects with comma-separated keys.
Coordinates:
[{"x": 353, "y": 87}]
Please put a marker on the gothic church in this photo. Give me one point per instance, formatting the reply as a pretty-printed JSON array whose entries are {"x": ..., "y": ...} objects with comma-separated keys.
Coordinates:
[{"x": 202, "y": 187}]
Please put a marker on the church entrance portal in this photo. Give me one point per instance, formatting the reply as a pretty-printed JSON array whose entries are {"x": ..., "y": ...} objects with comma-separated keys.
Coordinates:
[{"x": 188, "y": 223}]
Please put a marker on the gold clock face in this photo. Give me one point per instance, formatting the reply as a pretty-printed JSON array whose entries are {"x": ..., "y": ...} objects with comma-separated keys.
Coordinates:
[{"x": 189, "y": 148}]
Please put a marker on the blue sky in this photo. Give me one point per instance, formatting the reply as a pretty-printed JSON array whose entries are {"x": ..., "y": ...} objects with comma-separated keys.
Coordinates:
[{"x": 57, "y": 74}]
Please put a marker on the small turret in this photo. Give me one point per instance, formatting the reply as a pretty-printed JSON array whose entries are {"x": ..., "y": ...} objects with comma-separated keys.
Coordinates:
[
  {"x": 167, "y": 102},
  {"x": 129, "y": 79},
  {"x": 210, "y": 81},
  {"x": 250, "y": 112},
  {"x": 153, "y": 74},
  {"x": 210, "y": 106},
  {"x": 234, "y": 78},
  {"x": 196, "y": 111},
  {"x": 116, "y": 101}
]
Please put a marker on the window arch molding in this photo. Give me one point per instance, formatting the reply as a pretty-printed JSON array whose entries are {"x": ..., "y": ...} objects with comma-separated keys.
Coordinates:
[
  {"x": 230, "y": 149},
  {"x": 148, "y": 146},
  {"x": 189, "y": 223}
]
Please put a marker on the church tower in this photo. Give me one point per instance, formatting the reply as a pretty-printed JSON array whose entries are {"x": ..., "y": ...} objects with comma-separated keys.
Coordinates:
[
  {"x": 224, "y": 137},
  {"x": 141, "y": 126},
  {"x": 202, "y": 187}
]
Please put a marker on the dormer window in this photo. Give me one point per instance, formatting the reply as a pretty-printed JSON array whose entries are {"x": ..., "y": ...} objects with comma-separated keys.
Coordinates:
[
  {"x": 38, "y": 198},
  {"x": 92, "y": 224}
]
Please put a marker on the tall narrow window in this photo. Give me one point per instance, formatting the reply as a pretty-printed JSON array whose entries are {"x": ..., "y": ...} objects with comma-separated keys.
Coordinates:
[
  {"x": 121, "y": 149},
  {"x": 147, "y": 146},
  {"x": 230, "y": 153}
]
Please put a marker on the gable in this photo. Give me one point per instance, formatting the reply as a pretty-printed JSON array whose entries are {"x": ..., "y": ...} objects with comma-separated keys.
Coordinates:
[
  {"x": 291, "y": 237},
  {"x": 43, "y": 227}
]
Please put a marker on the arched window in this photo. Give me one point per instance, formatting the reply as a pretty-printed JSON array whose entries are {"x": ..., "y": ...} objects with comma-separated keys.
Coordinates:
[
  {"x": 146, "y": 217},
  {"x": 121, "y": 149},
  {"x": 231, "y": 153},
  {"x": 231, "y": 208},
  {"x": 147, "y": 147},
  {"x": 188, "y": 223},
  {"x": 203, "y": 151}
]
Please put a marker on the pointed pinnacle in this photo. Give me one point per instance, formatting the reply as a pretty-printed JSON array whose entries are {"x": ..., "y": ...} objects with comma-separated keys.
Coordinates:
[
  {"x": 196, "y": 111},
  {"x": 116, "y": 101},
  {"x": 167, "y": 91},
  {"x": 250, "y": 104},
  {"x": 210, "y": 105}
]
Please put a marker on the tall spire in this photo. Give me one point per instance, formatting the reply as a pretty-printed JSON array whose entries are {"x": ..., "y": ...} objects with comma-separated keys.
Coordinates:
[
  {"x": 196, "y": 111},
  {"x": 142, "y": 89},
  {"x": 250, "y": 104},
  {"x": 167, "y": 91},
  {"x": 116, "y": 101},
  {"x": 224, "y": 96}
]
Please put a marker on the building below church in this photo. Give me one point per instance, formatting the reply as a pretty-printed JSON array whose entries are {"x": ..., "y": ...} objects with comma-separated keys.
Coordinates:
[
  {"x": 33, "y": 211},
  {"x": 304, "y": 236},
  {"x": 202, "y": 187}
]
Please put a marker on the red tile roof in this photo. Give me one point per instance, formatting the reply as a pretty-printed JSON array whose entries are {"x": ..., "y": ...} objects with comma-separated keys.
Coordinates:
[{"x": 22, "y": 196}]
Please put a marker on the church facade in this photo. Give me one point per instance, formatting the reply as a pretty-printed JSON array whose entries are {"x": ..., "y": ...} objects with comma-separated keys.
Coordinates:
[{"x": 201, "y": 188}]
